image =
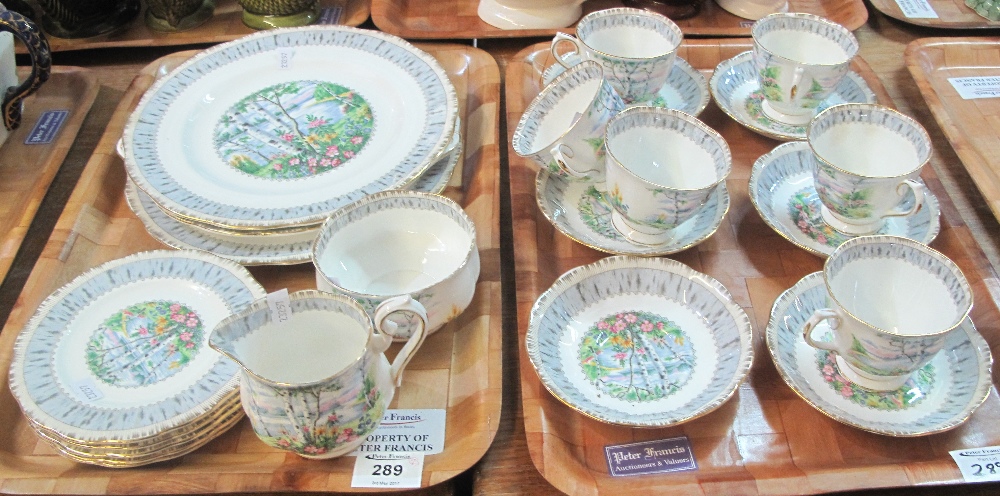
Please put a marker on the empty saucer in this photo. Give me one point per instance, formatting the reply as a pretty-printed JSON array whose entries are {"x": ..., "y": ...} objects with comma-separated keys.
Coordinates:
[
  {"x": 781, "y": 189},
  {"x": 579, "y": 210},
  {"x": 736, "y": 91},
  {"x": 940, "y": 396}
]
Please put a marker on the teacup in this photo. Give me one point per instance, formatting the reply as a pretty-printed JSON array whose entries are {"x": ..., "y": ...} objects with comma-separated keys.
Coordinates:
[
  {"x": 892, "y": 301},
  {"x": 662, "y": 167},
  {"x": 315, "y": 380},
  {"x": 563, "y": 127},
  {"x": 799, "y": 59},
  {"x": 530, "y": 14},
  {"x": 866, "y": 158},
  {"x": 635, "y": 47},
  {"x": 400, "y": 243},
  {"x": 13, "y": 24}
]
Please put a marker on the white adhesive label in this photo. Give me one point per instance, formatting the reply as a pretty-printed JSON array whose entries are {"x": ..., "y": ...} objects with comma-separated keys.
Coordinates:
[
  {"x": 917, "y": 9},
  {"x": 978, "y": 464},
  {"x": 280, "y": 305},
  {"x": 388, "y": 470},
  {"x": 970, "y": 88},
  {"x": 407, "y": 431}
]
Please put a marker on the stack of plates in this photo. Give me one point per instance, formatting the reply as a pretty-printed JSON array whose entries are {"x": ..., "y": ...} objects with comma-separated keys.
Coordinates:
[
  {"x": 114, "y": 368},
  {"x": 265, "y": 136}
]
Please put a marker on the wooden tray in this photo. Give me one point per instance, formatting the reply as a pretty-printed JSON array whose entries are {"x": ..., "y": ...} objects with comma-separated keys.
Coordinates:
[
  {"x": 952, "y": 14},
  {"x": 458, "y": 18},
  {"x": 764, "y": 440},
  {"x": 27, "y": 170},
  {"x": 225, "y": 25},
  {"x": 458, "y": 368},
  {"x": 970, "y": 125}
]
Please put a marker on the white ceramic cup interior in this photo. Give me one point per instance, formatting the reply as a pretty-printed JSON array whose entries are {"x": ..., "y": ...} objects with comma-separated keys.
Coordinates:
[
  {"x": 612, "y": 32},
  {"x": 804, "y": 47},
  {"x": 563, "y": 115},
  {"x": 664, "y": 157},
  {"x": 882, "y": 143}
]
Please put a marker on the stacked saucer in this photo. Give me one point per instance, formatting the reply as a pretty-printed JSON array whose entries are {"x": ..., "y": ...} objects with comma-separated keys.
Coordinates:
[
  {"x": 114, "y": 368},
  {"x": 267, "y": 135}
]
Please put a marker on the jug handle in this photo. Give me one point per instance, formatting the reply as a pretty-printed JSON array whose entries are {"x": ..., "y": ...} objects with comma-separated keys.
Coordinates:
[
  {"x": 388, "y": 307},
  {"x": 41, "y": 64}
]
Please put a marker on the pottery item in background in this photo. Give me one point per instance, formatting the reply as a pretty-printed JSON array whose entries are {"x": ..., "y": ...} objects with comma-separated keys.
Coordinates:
[
  {"x": 318, "y": 382},
  {"x": 400, "y": 243},
  {"x": 86, "y": 18},
  {"x": 178, "y": 15},
  {"x": 13, "y": 24},
  {"x": 867, "y": 157},
  {"x": 530, "y": 14},
  {"x": 663, "y": 165},
  {"x": 563, "y": 127},
  {"x": 269, "y": 14},
  {"x": 800, "y": 59},
  {"x": 636, "y": 48},
  {"x": 753, "y": 9},
  {"x": 891, "y": 303}
]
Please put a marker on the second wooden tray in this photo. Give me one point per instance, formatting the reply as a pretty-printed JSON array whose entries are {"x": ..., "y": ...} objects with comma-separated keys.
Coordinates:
[
  {"x": 765, "y": 439},
  {"x": 951, "y": 14},
  {"x": 458, "y": 369}
]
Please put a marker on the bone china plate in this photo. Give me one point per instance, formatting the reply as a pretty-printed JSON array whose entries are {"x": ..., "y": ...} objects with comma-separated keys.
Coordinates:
[
  {"x": 121, "y": 352},
  {"x": 280, "y": 128},
  {"x": 643, "y": 342}
]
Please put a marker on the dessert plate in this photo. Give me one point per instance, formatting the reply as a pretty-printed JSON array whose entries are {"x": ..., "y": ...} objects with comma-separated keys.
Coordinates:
[
  {"x": 736, "y": 91},
  {"x": 644, "y": 342},
  {"x": 579, "y": 210},
  {"x": 686, "y": 89},
  {"x": 268, "y": 131},
  {"x": 782, "y": 191},
  {"x": 938, "y": 397},
  {"x": 121, "y": 352}
]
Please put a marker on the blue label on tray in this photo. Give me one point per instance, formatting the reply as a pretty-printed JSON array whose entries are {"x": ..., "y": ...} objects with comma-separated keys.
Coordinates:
[
  {"x": 650, "y": 457},
  {"x": 47, "y": 127},
  {"x": 330, "y": 15}
]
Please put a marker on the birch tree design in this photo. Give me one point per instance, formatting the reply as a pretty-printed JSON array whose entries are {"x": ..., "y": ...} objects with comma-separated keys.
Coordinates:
[
  {"x": 294, "y": 129},
  {"x": 144, "y": 343},
  {"x": 637, "y": 356}
]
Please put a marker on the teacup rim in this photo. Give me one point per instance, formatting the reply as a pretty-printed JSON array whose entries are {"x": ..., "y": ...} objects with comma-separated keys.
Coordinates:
[
  {"x": 881, "y": 108},
  {"x": 671, "y": 25},
  {"x": 855, "y": 45},
  {"x": 324, "y": 235},
  {"x": 519, "y": 137},
  {"x": 937, "y": 255},
  {"x": 687, "y": 117}
]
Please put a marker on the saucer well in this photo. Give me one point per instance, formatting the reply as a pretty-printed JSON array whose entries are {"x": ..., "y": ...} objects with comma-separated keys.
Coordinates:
[
  {"x": 643, "y": 342},
  {"x": 686, "y": 89},
  {"x": 736, "y": 91},
  {"x": 781, "y": 189},
  {"x": 938, "y": 397},
  {"x": 579, "y": 210}
]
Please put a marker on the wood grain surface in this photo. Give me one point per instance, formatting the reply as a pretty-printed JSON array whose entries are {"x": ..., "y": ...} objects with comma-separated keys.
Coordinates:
[
  {"x": 27, "y": 170},
  {"x": 765, "y": 440},
  {"x": 226, "y": 24},
  {"x": 449, "y": 19},
  {"x": 970, "y": 125},
  {"x": 952, "y": 14},
  {"x": 458, "y": 369}
]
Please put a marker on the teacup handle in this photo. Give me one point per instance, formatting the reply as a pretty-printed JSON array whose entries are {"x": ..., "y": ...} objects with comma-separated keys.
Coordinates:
[
  {"x": 403, "y": 303},
  {"x": 819, "y": 316},
  {"x": 559, "y": 156},
  {"x": 41, "y": 64},
  {"x": 559, "y": 38},
  {"x": 918, "y": 197}
]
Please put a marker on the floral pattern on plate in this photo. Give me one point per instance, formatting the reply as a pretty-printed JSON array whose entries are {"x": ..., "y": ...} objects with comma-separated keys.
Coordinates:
[
  {"x": 908, "y": 395},
  {"x": 961, "y": 373},
  {"x": 782, "y": 191},
  {"x": 704, "y": 344},
  {"x": 581, "y": 211},
  {"x": 736, "y": 91}
]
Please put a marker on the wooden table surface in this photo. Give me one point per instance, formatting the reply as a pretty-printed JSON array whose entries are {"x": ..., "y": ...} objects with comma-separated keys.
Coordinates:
[{"x": 507, "y": 467}]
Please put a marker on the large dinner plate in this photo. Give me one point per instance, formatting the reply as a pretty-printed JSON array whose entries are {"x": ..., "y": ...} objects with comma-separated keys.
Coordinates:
[
  {"x": 121, "y": 352},
  {"x": 282, "y": 127}
]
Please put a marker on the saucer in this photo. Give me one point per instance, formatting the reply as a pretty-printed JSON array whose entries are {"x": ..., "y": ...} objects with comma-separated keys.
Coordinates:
[
  {"x": 644, "y": 342},
  {"x": 578, "y": 210},
  {"x": 781, "y": 189},
  {"x": 736, "y": 91},
  {"x": 938, "y": 397},
  {"x": 686, "y": 89}
]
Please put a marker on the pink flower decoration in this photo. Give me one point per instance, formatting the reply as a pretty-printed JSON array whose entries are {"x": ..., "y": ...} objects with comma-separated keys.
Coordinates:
[
  {"x": 646, "y": 326},
  {"x": 284, "y": 443},
  {"x": 325, "y": 162},
  {"x": 827, "y": 370},
  {"x": 335, "y": 162},
  {"x": 185, "y": 336},
  {"x": 821, "y": 239},
  {"x": 348, "y": 154},
  {"x": 846, "y": 391},
  {"x": 175, "y": 308},
  {"x": 356, "y": 140},
  {"x": 294, "y": 161},
  {"x": 287, "y": 137},
  {"x": 659, "y": 325},
  {"x": 603, "y": 325},
  {"x": 620, "y": 325},
  {"x": 631, "y": 318},
  {"x": 332, "y": 150},
  {"x": 277, "y": 166},
  {"x": 620, "y": 356},
  {"x": 143, "y": 331},
  {"x": 312, "y": 161},
  {"x": 189, "y": 345},
  {"x": 317, "y": 123},
  {"x": 177, "y": 317}
]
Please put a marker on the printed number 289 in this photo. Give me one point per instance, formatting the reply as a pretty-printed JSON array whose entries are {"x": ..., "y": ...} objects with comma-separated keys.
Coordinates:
[
  {"x": 989, "y": 466},
  {"x": 388, "y": 470}
]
